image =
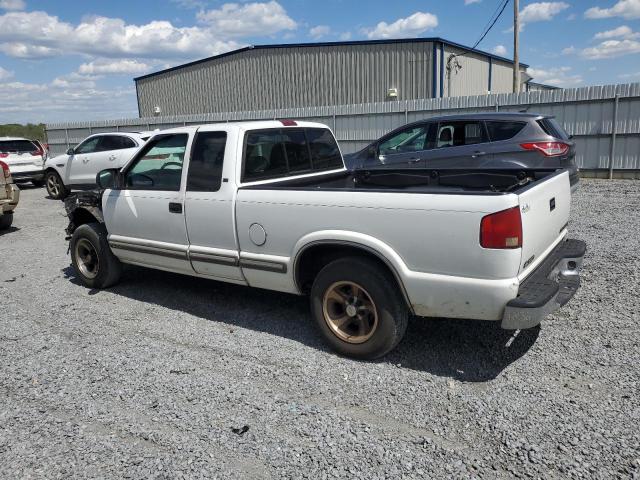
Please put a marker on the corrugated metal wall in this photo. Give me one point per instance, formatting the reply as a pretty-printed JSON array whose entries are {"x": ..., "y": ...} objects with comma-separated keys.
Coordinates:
[
  {"x": 287, "y": 77},
  {"x": 586, "y": 113}
]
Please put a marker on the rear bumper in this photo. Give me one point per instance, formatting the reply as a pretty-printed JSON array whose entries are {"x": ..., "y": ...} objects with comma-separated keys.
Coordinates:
[
  {"x": 8, "y": 204},
  {"x": 549, "y": 286},
  {"x": 27, "y": 175}
]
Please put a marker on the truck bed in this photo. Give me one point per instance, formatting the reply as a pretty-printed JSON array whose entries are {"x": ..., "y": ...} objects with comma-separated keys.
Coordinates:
[{"x": 452, "y": 181}]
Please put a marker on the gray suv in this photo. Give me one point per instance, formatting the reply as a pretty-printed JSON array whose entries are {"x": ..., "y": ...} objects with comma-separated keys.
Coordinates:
[{"x": 478, "y": 140}]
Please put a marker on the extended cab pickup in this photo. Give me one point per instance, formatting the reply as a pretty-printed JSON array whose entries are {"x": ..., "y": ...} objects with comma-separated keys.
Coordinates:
[{"x": 270, "y": 205}]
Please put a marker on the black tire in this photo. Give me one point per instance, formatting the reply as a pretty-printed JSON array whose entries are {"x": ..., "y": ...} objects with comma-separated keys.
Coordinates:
[
  {"x": 6, "y": 220},
  {"x": 55, "y": 187},
  {"x": 38, "y": 183},
  {"x": 383, "y": 291},
  {"x": 106, "y": 269}
]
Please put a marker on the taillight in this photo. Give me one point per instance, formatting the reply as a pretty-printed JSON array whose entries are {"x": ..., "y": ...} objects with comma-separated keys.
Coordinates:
[
  {"x": 3, "y": 155},
  {"x": 502, "y": 229},
  {"x": 5, "y": 169},
  {"x": 549, "y": 149},
  {"x": 288, "y": 123},
  {"x": 37, "y": 152}
]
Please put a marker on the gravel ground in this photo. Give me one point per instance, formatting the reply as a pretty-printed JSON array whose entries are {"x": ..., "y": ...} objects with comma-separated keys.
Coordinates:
[{"x": 149, "y": 378}]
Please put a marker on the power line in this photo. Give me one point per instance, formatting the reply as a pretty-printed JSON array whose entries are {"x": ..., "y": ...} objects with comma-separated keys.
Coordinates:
[{"x": 488, "y": 29}]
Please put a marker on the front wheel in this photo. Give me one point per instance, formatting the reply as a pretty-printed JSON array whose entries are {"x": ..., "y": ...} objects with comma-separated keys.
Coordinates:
[
  {"x": 358, "y": 308},
  {"x": 94, "y": 262},
  {"x": 55, "y": 187}
]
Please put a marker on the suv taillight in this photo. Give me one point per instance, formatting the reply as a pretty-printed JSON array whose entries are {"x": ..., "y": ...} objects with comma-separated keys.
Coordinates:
[
  {"x": 5, "y": 170},
  {"x": 549, "y": 149},
  {"x": 502, "y": 229},
  {"x": 3, "y": 155},
  {"x": 37, "y": 152}
]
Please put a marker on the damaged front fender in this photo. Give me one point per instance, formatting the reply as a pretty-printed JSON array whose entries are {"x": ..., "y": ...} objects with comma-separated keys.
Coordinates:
[{"x": 83, "y": 207}]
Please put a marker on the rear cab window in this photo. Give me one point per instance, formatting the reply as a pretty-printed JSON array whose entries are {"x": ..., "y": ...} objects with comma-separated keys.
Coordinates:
[
  {"x": 275, "y": 153},
  {"x": 503, "y": 130}
]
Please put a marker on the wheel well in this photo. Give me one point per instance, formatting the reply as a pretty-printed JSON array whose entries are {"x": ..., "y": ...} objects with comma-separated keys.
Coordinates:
[
  {"x": 312, "y": 259},
  {"x": 80, "y": 216}
]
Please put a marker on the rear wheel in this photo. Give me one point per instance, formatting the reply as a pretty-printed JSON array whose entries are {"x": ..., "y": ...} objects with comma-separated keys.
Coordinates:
[
  {"x": 358, "y": 307},
  {"x": 6, "y": 220},
  {"x": 94, "y": 262},
  {"x": 55, "y": 187}
]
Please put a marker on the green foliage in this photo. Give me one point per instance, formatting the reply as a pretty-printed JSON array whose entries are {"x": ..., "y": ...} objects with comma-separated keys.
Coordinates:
[{"x": 31, "y": 131}]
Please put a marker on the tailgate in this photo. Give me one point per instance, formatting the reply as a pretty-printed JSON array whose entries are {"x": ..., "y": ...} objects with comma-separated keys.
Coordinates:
[{"x": 544, "y": 210}]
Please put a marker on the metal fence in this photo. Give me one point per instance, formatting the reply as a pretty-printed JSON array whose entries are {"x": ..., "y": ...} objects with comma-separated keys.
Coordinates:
[{"x": 604, "y": 120}]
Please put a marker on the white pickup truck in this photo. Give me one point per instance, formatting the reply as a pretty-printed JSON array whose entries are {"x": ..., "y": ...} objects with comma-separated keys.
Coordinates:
[{"x": 270, "y": 205}]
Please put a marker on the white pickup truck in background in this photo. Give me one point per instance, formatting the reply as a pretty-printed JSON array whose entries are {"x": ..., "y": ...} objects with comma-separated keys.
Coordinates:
[{"x": 270, "y": 205}]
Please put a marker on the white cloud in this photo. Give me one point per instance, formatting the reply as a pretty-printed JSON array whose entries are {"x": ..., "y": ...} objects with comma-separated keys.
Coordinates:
[
  {"x": 319, "y": 31},
  {"x": 12, "y": 5},
  {"x": 569, "y": 50},
  {"x": 541, "y": 11},
  {"x": 38, "y": 34},
  {"x": 469, "y": 2},
  {"x": 620, "y": 32},
  {"x": 5, "y": 74},
  {"x": 345, "y": 36},
  {"x": 611, "y": 49},
  {"x": 242, "y": 20},
  {"x": 629, "y": 9},
  {"x": 410, "y": 26},
  {"x": 67, "y": 99},
  {"x": 559, "y": 77},
  {"x": 499, "y": 50},
  {"x": 627, "y": 76},
  {"x": 118, "y": 67}
]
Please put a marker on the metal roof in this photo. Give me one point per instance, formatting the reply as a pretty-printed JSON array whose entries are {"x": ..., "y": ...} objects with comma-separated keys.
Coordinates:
[{"x": 332, "y": 44}]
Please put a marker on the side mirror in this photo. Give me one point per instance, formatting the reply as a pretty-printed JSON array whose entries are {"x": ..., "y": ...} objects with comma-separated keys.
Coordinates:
[
  {"x": 70, "y": 151},
  {"x": 371, "y": 152},
  {"x": 109, "y": 178}
]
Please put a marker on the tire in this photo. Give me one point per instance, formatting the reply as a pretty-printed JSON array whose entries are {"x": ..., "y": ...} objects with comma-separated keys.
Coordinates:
[
  {"x": 6, "y": 220},
  {"x": 55, "y": 186},
  {"x": 369, "y": 328},
  {"x": 92, "y": 259},
  {"x": 38, "y": 183}
]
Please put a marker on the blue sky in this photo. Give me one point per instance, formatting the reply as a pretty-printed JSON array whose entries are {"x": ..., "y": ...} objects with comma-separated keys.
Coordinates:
[{"x": 69, "y": 60}]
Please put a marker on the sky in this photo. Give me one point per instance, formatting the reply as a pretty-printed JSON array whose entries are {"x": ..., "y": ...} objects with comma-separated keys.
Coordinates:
[{"x": 75, "y": 60}]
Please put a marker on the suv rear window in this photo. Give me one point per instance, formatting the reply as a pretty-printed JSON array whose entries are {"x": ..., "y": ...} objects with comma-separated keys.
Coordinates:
[
  {"x": 553, "y": 128},
  {"x": 499, "y": 131},
  {"x": 7, "y": 146},
  {"x": 291, "y": 151}
]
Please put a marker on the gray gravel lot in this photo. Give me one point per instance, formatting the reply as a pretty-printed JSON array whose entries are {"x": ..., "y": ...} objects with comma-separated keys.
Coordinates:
[{"x": 149, "y": 378}]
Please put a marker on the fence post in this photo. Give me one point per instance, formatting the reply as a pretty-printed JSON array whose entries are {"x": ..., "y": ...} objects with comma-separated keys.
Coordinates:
[
  {"x": 497, "y": 106},
  {"x": 614, "y": 131},
  {"x": 66, "y": 137}
]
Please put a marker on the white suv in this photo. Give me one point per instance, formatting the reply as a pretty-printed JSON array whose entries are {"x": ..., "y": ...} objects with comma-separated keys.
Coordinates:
[
  {"x": 25, "y": 158},
  {"x": 77, "y": 169}
]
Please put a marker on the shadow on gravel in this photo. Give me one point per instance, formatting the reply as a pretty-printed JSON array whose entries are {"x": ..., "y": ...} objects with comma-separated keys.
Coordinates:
[
  {"x": 467, "y": 350},
  {"x": 8, "y": 230}
]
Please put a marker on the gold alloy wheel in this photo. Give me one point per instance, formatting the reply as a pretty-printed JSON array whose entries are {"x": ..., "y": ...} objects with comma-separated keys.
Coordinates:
[
  {"x": 349, "y": 312},
  {"x": 87, "y": 258}
]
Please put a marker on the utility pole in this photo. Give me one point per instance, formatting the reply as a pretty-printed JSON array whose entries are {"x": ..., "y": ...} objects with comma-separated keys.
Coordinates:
[{"x": 516, "y": 46}]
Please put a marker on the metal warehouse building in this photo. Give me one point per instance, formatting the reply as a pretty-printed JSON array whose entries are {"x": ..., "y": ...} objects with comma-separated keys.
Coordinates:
[{"x": 268, "y": 77}]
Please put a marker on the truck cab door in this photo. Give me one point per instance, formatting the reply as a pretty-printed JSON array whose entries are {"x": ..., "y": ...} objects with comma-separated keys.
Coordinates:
[
  {"x": 209, "y": 206},
  {"x": 145, "y": 218}
]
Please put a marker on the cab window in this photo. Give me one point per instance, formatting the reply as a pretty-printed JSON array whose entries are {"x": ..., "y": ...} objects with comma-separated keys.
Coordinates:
[
  {"x": 409, "y": 140},
  {"x": 88, "y": 146},
  {"x": 205, "y": 165},
  {"x": 159, "y": 164}
]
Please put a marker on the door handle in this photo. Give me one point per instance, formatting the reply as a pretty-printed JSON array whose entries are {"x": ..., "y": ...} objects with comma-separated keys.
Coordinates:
[
  {"x": 478, "y": 154},
  {"x": 175, "y": 207},
  {"x": 85, "y": 160}
]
